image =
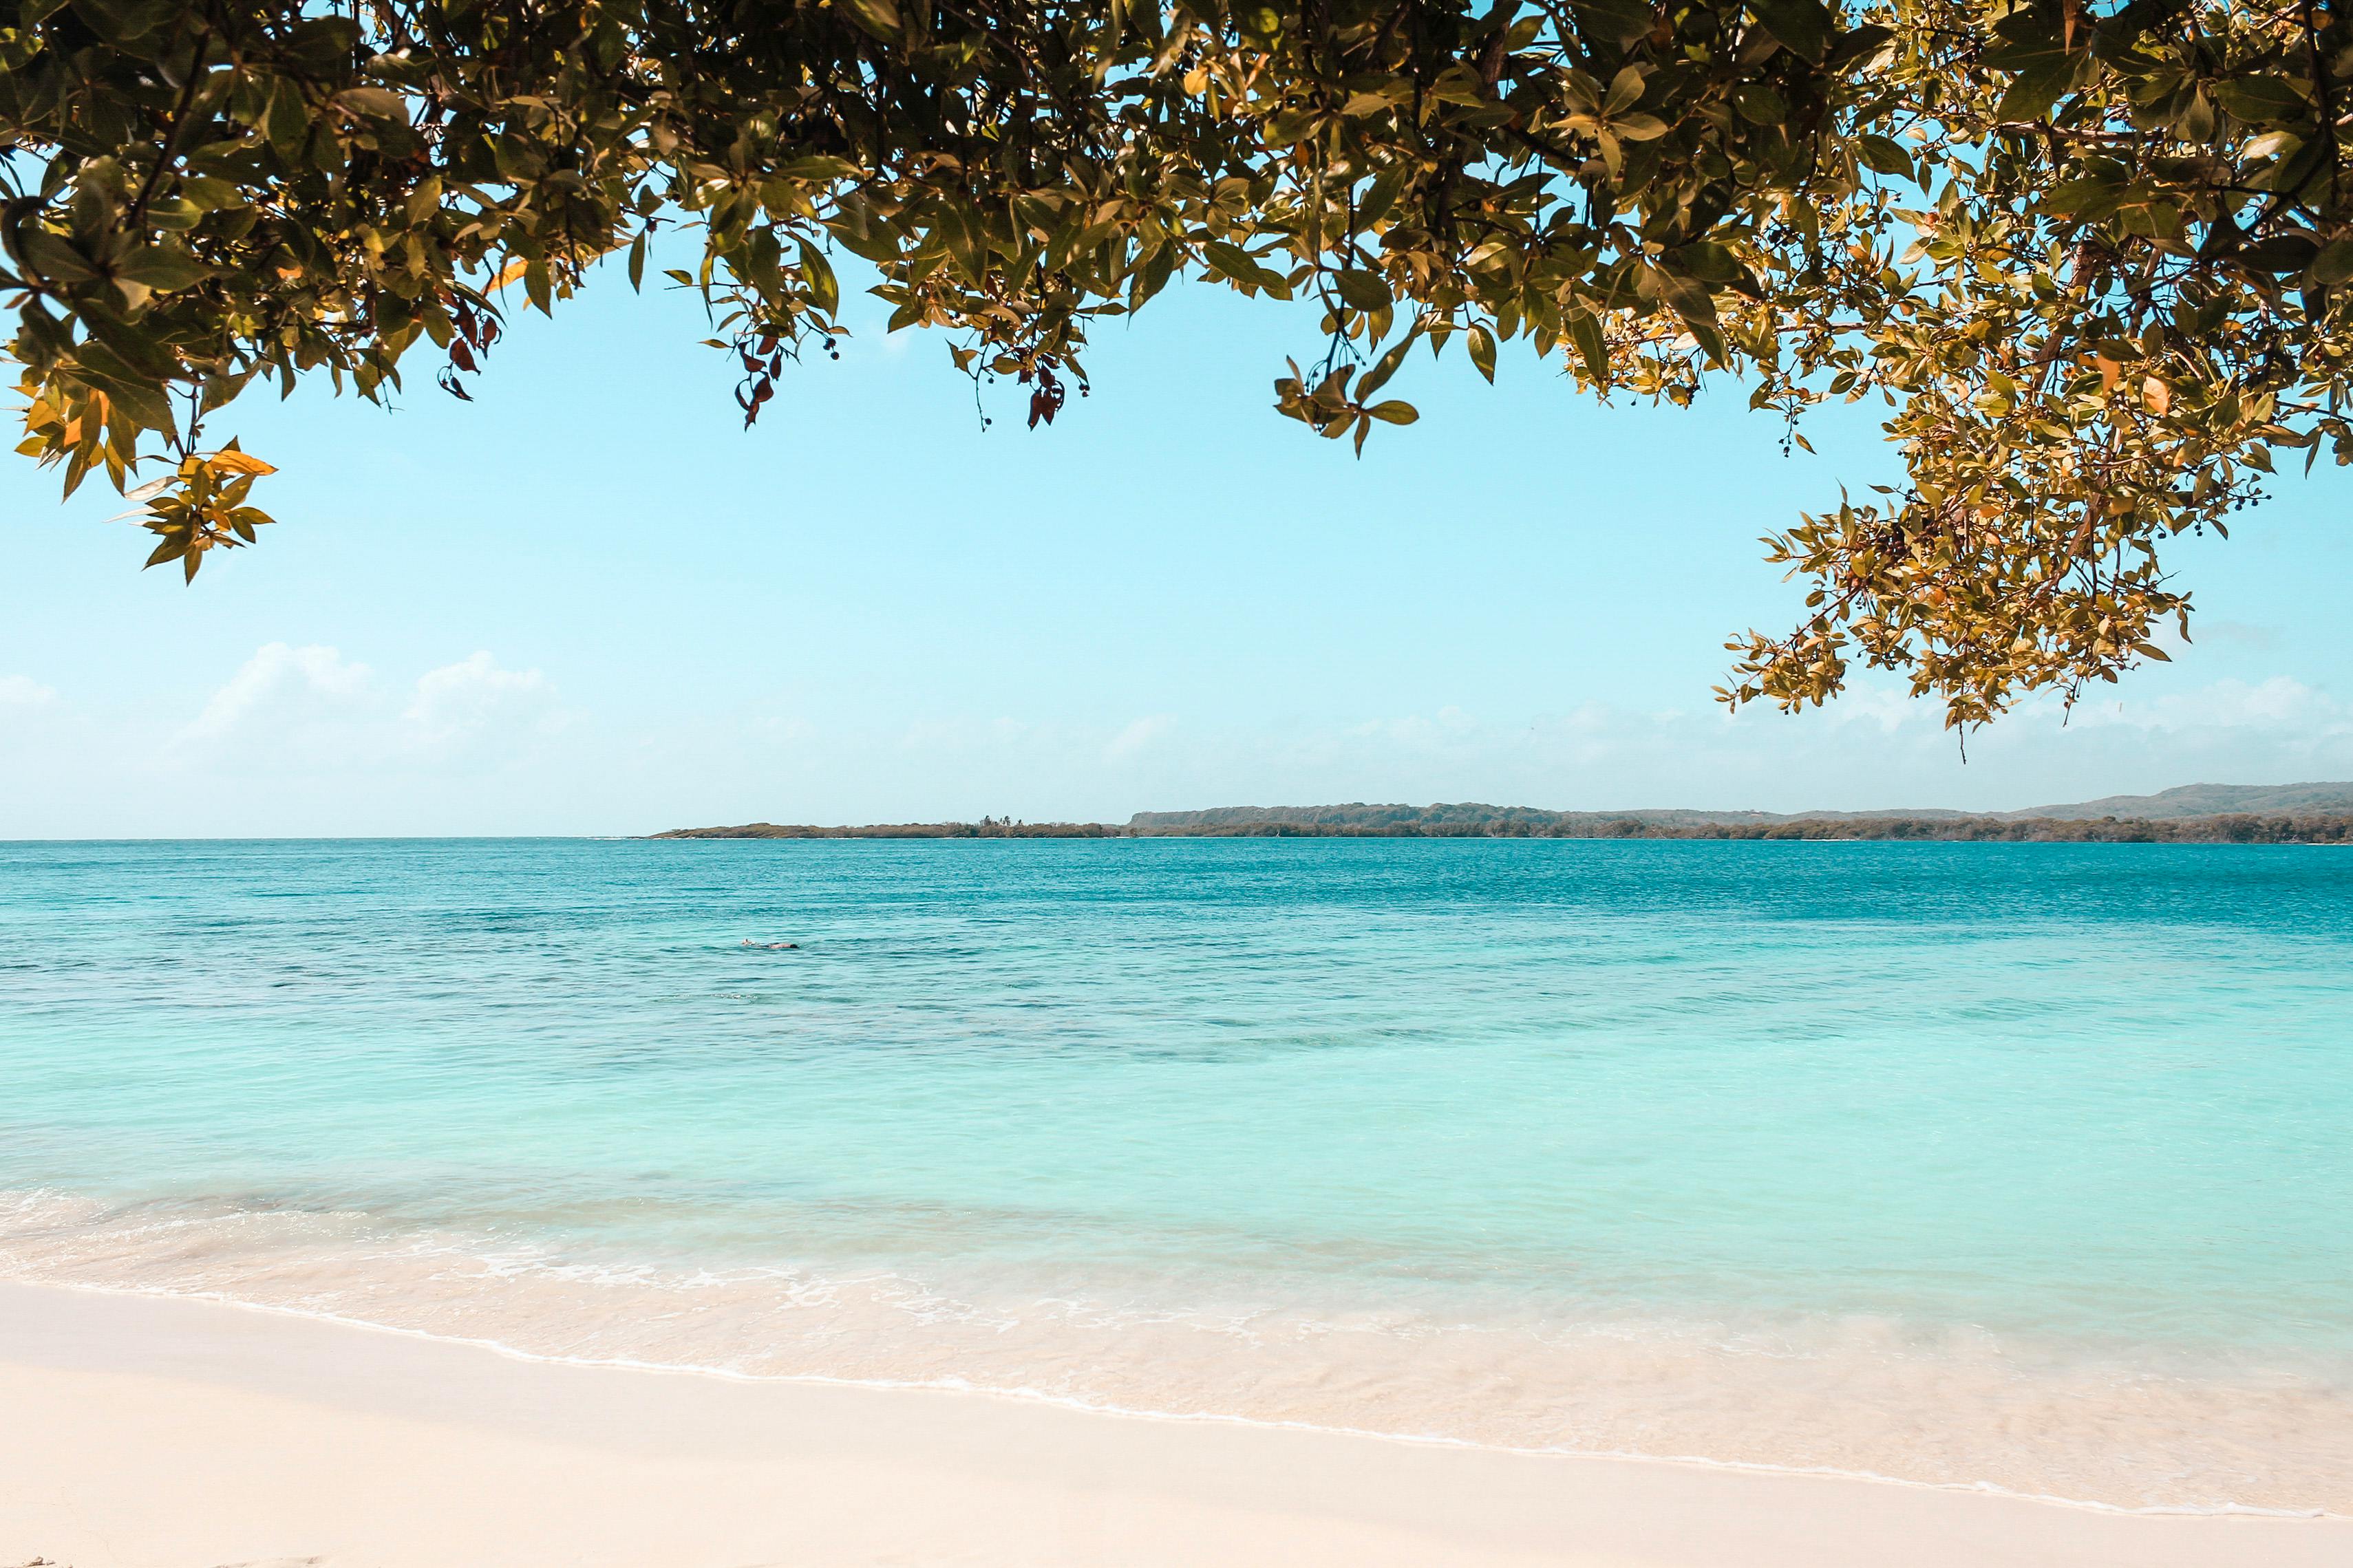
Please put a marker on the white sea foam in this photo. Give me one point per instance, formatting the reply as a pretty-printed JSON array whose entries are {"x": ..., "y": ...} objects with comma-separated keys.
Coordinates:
[{"x": 2121, "y": 1428}]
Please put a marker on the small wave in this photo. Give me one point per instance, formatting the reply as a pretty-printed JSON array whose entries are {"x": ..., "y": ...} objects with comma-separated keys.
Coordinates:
[
  {"x": 1138, "y": 1413},
  {"x": 1854, "y": 1398}
]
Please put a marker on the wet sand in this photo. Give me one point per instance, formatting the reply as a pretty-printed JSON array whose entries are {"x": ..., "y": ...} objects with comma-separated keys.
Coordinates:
[{"x": 180, "y": 1434}]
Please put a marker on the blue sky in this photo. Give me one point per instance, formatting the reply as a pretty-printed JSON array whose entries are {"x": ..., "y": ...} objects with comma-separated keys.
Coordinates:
[{"x": 588, "y": 602}]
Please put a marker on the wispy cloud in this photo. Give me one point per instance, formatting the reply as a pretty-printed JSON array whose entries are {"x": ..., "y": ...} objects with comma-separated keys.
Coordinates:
[
  {"x": 305, "y": 739},
  {"x": 312, "y": 705},
  {"x": 1139, "y": 736},
  {"x": 24, "y": 691},
  {"x": 284, "y": 690},
  {"x": 474, "y": 700},
  {"x": 2280, "y": 706},
  {"x": 1873, "y": 749}
]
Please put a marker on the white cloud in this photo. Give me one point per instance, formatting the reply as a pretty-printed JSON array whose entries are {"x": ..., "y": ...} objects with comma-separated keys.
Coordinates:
[
  {"x": 2278, "y": 704},
  {"x": 302, "y": 739},
  {"x": 312, "y": 706},
  {"x": 475, "y": 700},
  {"x": 283, "y": 690},
  {"x": 1886, "y": 709},
  {"x": 1138, "y": 736},
  {"x": 1874, "y": 749}
]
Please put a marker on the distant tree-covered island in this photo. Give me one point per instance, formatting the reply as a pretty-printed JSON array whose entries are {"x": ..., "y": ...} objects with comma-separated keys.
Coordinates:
[{"x": 2193, "y": 814}]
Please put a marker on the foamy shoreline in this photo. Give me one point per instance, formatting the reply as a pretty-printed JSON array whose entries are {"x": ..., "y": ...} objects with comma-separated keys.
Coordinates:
[
  {"x": 1859, "y": 1399},
  {"x": 962, "y": 1386},
  {"x": 149, "y": 1430}
]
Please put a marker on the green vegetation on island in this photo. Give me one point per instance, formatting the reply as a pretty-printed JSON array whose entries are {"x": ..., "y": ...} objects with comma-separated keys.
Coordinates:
[
  {"x": 2287, "y": 813},
  {"x": 2089, "y": 259}
]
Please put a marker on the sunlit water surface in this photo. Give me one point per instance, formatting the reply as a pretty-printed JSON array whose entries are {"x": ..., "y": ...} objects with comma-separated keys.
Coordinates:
[{"x": 2027, "y": 1166}]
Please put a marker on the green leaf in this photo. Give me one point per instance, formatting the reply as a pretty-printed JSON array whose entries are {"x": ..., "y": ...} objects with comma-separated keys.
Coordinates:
[
  {"x": 1380, "y": 198},
  {"x": 325, "y": 43},
  {"x": 164, "y": 271},
  {"x": 880, "y": 17},
  {"x": 877, "y": 243},
  {"x": 1482, "y": 343},
  {"x": 2087, "y": 200},
  {"x": 1585, "y": 331},
  {"x": 1760, "y": 105},
  {"x": 1707, "y": 261},
  {"x": 1362, "y": 289},
  {"x": 2280, "y": 253},
  {"x": 1691, "y": 299},
  {"x": 2031, "y": 46},
  {"x": 1884, "y": 155},
  {"x": 209, "y": 193},
  {"x": 817, "y": 169},
  {"x": 1153, "y": 276},
  {"x": 1711, "y": 342},
  {"x": 1861, "y": 43},
  {"x": 2334, "y": 264},
  {"x": 1805, "y": 27},
  {"x": 1625, "y": 92},
  {"x": 288, "y": 119},
  {"x": 1618, "y": 21},
  {"x": 2262, "y": 99},
  {"x": 375, "y": 102},
  {"x": 1232, "y": 261},
  {"x": 1385, "y": 366},
  {"x": 54, "y": 258},
  {"x": 762, "y": 259},
  {"x": 963, "y": 242},
  {"x": 825, "y": 290},
  {"x": 2032, "y": 92}
]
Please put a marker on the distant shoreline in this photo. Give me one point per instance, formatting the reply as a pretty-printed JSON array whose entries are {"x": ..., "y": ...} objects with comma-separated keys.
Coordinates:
[
  {"x": 2330, "y": 828},
  {"x": 2315, "y": 813}
]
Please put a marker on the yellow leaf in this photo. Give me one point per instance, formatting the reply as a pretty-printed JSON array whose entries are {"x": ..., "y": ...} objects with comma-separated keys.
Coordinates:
[
  {"x": 2157, "y": 396},
  {"x": 240, "y": 463}
]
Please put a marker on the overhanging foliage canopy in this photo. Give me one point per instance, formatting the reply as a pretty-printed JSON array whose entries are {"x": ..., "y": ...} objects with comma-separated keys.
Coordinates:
[{"x": 2091, "y": 255}]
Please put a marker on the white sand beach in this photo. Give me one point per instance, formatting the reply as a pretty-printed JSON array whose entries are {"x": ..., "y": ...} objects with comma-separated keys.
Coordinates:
[{"x": 154, "y": 1433}]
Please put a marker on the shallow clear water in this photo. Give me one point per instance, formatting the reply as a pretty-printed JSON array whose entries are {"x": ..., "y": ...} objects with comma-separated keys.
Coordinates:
[{"x": 2018, "y": 1166}]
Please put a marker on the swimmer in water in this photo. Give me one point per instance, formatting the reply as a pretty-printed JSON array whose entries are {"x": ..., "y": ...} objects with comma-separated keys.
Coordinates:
[{"x": 773, "y": 946}]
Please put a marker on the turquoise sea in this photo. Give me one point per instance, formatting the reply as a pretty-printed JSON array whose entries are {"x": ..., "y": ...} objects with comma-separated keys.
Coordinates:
[{"x": 2027, "y": 1166}]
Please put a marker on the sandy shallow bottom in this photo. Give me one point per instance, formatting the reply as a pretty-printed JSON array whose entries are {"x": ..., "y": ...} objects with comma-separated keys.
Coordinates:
[{"x": 143, "y": 1431}]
